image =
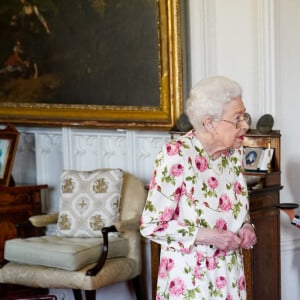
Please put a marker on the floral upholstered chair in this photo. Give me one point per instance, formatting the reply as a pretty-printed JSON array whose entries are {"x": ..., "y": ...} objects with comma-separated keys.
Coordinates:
[{"x": 97, "y": 241}]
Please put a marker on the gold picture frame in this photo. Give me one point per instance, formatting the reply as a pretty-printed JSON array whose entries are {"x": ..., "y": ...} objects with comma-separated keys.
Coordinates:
[
  {"x": 9, "y": 137},
  {"x": 157, "y": 108}
]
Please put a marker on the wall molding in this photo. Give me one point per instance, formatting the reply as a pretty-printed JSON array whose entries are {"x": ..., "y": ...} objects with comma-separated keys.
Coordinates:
[
  {"x": 203, "y": 44},
  {"x": 267, "y": 56}
]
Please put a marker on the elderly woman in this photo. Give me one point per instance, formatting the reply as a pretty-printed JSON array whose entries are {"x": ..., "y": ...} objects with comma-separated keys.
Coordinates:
[{"x": 197, "y": 206}]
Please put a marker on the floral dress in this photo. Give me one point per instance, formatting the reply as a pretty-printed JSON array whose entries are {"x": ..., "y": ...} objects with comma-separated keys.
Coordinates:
[{"x": 189, "y": 190}]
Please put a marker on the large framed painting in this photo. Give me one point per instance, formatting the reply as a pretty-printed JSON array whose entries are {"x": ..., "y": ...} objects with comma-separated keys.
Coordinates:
[
  {"x": 102, "y": 63},
  {"x": 9, "y": 137}
]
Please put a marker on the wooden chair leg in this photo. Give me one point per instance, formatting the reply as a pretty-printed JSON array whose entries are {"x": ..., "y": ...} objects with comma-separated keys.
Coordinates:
[
  {"x": 90, "y": 295},
  {"x": 137, "y": 288},
  {"x": 77, "y": 294},
  {"x": 3, "y": 290}
]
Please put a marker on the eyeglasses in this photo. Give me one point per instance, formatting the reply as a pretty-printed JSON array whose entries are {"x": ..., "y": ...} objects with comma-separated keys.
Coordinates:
[{"x": 238, "y": 123}]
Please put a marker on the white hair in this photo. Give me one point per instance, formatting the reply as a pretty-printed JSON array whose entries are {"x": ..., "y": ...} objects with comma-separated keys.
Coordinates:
[{"x": 209, "y": 98}]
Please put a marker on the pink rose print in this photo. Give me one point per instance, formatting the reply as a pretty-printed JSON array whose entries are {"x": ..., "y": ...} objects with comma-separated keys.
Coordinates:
[
  {"x": 167, "y": 215},
  {"x": 192, "y": 190},
  {"x": 185, "y": 250},
  {"x": 152, "y": 181},
  {"x": 166, "y": 264},
  {"x": 242, "y": 283},
  {"x": 161, "y": 227},
  {"x": 176, "y": 213},
  {"x": 229, "y": 297},
  {"x": 177, "y": 169},
  {"x": 177, "y": 287},
  {"x": 190, "y": 195},
  {"x": 201, "y": 163},
  {"x": 220, "y": 282},
  {"x": 183, "y": 188},
  {"x": 158, "y": 297},
  {"x": 225, "y": 203},
  {"x": 177, "y": 194},
  {"x": 199, "y": 257},
  {"x": 221, "y": 224},
  {"x": 182, "y": 249},
  {"x": 237, "y": 188},
  {"x": 219, "y": 253},
  {"x": 212, "y": 182},
  {"x": 211, "y": 263},
  {"x": 197, "y": 272},
  {"x": 173, "y": 149}
]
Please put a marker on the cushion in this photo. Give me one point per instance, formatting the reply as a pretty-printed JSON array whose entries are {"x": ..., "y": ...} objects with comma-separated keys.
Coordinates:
[
  {"x": 89, "y": 200},
  {"x": 60, "y": 252}
]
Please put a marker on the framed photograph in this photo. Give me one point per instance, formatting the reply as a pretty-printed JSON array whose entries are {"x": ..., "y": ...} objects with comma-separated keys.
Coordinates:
[
  {"x": 252, "y": 158},
  {"x": 9, "y": 137},
  {"x": 258, "y": 159},
  {"x": 115, "y": 64}
]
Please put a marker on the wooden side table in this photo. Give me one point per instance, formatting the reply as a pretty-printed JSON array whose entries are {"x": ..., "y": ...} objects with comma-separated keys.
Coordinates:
[{"x": 17, "y": 204}]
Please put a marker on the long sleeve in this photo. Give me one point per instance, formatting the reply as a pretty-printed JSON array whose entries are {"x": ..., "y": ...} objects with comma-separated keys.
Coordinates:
[{"x": 166, "y": 218}]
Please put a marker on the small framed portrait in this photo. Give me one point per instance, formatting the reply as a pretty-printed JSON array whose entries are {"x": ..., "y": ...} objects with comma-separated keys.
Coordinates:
[
  {"x": 9, "y": 137},
  {"x": 252, "y": 158}
]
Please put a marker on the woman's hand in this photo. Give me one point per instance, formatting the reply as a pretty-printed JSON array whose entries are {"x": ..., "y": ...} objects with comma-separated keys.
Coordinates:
[
  {"x": 221, "y": 239},
  {"x": 247, "y": 236}
]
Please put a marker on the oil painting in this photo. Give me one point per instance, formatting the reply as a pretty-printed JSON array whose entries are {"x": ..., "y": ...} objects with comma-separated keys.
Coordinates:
[{"x": 108, "y": 63}]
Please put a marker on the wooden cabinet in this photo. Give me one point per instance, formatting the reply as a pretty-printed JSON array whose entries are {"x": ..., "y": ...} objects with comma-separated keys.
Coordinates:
[
  {"x": 17, "y": 204},
  {"x": 262, "y": 263}
]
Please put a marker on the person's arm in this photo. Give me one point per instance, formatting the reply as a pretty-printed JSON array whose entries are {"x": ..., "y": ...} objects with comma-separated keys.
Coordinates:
[
  {"x": 247, "y": 234},
  {"x": 221, "y": 239},
  {"x": 41, "y": 18},
  {"x": 159, "y": 219}
]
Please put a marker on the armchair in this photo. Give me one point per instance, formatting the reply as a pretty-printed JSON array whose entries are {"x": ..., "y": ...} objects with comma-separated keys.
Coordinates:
[{"x": 81, "y": 263}]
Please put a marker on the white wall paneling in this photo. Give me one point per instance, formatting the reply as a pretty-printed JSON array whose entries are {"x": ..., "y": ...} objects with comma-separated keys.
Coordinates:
[
  {"x": 236, "y": 25},
  {"x": 267, "y": 56},
  {"x": 25, "y": 160},
  {"x": 202, "y": 31},
  {"x": 49, "y": 162}
]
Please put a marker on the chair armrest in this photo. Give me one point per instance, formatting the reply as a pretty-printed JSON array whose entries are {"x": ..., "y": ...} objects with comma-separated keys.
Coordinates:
[
  {"x": 132, "y": 224},
  {"x": 26, "y": 229},
  {"x": 43, "y": 220},
  {"x": 105, "y": 231}
]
